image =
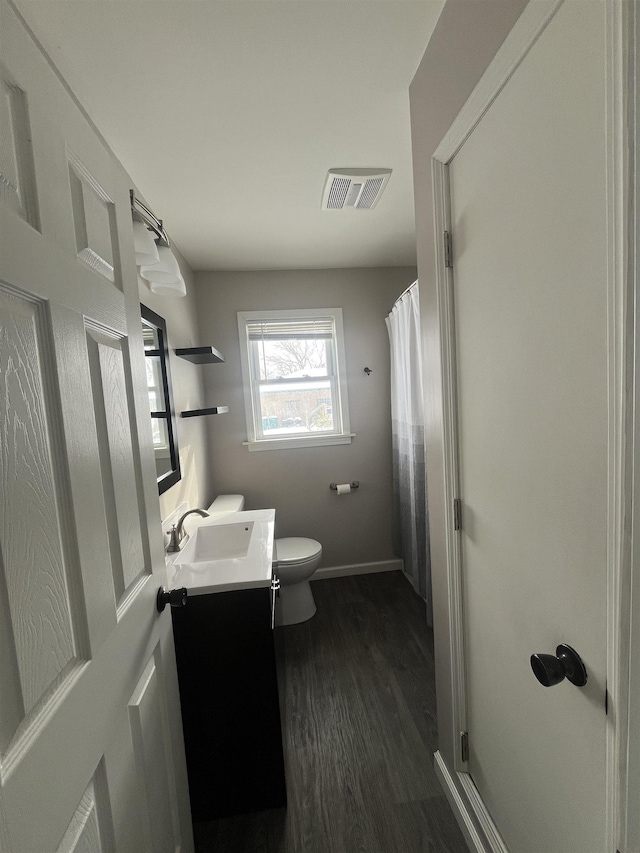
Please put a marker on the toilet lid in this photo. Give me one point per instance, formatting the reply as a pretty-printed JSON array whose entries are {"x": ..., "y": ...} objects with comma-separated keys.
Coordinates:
[{"x": 294, "y": 549}]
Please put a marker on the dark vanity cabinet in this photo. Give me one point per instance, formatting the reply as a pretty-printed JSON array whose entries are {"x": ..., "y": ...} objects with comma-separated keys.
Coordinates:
[{"x": 229, "y": 699}]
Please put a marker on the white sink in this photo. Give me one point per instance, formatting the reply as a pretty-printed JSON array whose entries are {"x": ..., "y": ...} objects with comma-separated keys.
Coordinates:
[
  {"x": 221, "y": 541},
  {"x": 232, "y": 552}
]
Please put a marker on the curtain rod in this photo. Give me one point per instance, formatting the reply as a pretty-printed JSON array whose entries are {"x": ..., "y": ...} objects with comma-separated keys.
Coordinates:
[{"x": 404, "y": 292}]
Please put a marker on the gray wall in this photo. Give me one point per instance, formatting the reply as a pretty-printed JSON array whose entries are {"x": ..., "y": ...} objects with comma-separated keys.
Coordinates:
[
  {"x": 353, "y": 529},
  {"x": 464, "y": 42}
]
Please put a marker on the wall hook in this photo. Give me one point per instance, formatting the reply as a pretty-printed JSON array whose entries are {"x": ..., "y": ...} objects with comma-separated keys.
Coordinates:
[{"x": 367, "y": 370}]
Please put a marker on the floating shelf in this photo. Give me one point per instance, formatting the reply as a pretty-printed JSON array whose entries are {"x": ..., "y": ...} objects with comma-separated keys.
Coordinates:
[
  {"x": 201, "y": 355},
  {"x": 214, "y": 410}
]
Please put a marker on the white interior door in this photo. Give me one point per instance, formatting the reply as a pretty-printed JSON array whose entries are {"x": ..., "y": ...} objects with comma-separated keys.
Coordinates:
[
  {"x": 91, "y": 752},
  {"x": 528, "y": 217}
]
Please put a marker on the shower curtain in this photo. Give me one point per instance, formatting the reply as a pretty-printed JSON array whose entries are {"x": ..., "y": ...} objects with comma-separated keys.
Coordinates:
[{"x": 410, "y": 521}]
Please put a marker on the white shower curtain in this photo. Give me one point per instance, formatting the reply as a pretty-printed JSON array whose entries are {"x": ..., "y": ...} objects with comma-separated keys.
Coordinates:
[{"x": 410, "y": 527}]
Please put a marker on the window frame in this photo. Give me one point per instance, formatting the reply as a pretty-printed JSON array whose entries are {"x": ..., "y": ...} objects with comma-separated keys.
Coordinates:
[{"x": 336, "y": 362}]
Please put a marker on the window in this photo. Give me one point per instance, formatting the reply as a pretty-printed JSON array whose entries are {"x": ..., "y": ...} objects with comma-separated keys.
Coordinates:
[{"x": 293, "y": 370}]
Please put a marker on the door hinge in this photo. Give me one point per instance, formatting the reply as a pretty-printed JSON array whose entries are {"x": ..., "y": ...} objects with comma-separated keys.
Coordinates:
[
  {"x": 464, "y": 746},
  {"x": 448, "y": 252},
  {"x": 457, "y": 514}
]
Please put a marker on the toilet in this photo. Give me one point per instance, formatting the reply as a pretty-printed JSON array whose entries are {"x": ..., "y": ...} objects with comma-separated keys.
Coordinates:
[{"x": 295, "y": 559}]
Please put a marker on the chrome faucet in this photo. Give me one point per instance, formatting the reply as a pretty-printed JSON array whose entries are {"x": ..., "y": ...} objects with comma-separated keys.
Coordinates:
[{"x": 177, "y": 531}]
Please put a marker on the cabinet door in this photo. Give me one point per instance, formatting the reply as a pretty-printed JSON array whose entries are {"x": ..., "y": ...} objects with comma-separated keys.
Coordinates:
[{"x": 229, "y": 697}]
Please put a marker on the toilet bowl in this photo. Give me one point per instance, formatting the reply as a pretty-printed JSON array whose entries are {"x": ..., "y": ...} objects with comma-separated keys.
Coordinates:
[{"x": 295, "y": 560}]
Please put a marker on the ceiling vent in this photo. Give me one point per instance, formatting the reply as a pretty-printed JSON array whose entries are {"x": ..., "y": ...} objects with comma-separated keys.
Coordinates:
[{"x": 354, "y": 188}]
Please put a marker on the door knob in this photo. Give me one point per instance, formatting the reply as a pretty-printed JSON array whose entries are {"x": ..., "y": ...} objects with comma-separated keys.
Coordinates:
[
  {"x": 174, "y": 597},
  {"x": 567, "y": 663}
]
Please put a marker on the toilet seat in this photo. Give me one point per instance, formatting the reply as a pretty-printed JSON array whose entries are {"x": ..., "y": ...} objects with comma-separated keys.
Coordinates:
[{"x": 296, "y": 549}]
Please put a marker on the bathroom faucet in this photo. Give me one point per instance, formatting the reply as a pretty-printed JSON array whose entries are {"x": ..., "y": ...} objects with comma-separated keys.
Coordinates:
[{"x": 177, "y": 531}]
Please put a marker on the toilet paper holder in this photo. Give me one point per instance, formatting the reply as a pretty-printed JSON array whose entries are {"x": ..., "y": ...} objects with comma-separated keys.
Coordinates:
[{"x": 334, "y": 486}]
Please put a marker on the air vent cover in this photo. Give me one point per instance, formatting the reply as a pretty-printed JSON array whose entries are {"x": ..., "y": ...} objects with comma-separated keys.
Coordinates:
[{"x": 358, "y": 189}]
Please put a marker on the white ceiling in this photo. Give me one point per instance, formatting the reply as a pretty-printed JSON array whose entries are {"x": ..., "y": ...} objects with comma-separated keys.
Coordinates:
[{"x": 229, "y": 113}]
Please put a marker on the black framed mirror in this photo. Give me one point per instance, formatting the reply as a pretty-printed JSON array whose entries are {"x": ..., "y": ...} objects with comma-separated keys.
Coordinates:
[{"x": 161, "y": 408}]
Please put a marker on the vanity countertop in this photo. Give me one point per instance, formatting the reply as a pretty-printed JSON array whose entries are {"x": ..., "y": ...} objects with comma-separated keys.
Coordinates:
[{"x": 208, "y": 561}]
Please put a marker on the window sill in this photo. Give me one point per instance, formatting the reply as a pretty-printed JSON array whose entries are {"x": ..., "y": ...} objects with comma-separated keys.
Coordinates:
[{"x": 290, "y": 443}]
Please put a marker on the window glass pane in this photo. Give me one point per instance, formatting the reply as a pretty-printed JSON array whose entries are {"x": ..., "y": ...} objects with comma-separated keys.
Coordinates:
[
  {"x": 297, "y": 407},
  {"x": 150, "y": 336},
  {"x": 292, "y": 357},
  {"x": 154, "y": 383},
  {"x": 156, "y": 402},
  {"x": 160, "y": 433},
  {"x": 161, "y": 447}
]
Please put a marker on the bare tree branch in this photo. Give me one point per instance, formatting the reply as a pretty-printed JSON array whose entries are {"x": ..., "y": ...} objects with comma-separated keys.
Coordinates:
[{"x": 283, "y": 358}]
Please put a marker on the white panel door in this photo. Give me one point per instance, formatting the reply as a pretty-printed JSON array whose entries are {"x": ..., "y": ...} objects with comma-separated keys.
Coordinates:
[
  {"x": 528, "y": 199},
  {"x": 91, "y": 751}
]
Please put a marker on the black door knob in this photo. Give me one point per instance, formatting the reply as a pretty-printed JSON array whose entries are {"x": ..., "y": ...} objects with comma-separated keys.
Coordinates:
[
  {"x": 567, "y": 663},
  {"x": 174, "y": 597}
]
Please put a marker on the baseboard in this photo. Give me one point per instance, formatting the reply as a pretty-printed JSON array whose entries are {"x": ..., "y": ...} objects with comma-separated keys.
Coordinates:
[
  {"x": 358, "y": 569},
  {"x": 478, "y": 808},
  {"x": 460, "y": 808}
]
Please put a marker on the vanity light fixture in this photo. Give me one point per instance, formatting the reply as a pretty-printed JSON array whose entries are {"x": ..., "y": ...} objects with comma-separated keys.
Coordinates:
[
  {"x": 158, "y": 265},
  {"x": 164, "y": 277},
  {"x": 145, "y": 246}
]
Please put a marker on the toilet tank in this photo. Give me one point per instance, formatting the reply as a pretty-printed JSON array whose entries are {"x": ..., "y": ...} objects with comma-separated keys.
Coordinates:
[{"x": 225, "y": 504}]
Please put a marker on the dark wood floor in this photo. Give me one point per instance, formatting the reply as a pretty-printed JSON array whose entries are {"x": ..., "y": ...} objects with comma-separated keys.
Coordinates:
[{"x": 359, "y": 730}]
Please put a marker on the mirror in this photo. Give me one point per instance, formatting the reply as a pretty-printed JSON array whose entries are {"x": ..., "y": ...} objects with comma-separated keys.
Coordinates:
[{"x": 161, "y": 409}]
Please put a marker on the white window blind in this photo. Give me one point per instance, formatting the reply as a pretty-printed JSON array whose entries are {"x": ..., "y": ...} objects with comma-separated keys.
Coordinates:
[{"x": 300, "y": 329}]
